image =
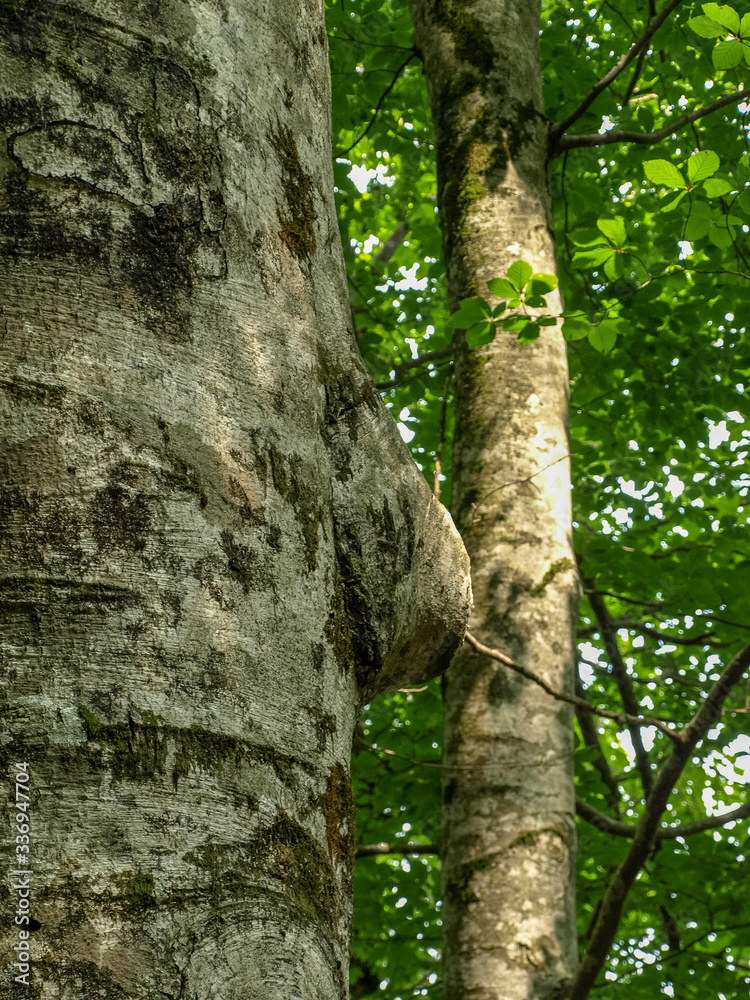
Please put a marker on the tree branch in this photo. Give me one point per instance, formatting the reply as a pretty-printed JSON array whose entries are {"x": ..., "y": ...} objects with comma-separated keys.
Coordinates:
[
  {"x": 590, "y": 734},
  {"x": 608, "y": 920},
  {"x": 559, "y": 128},
  {"x": 624, "y": 720},
  {"x": 617, "y": 828},
  {"x": 379, "y": 105},
  {"x": 373, "y": 850},
  {"x": 405, "y": 366},
  {"x": 705, "y": 639},
  {"x": 608, "y": 629},
  {"x": 649, "y": 138}
]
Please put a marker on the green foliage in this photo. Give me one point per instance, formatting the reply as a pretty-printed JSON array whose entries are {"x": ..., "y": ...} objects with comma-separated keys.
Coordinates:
[
  {"x": 654, "y": 261},
  {"x": 715, "y": 22},
  {"x": 522, "y": 287}
]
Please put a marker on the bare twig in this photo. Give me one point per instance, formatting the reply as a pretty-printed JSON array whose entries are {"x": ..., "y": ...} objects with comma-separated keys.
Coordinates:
[
  {"x": 405, "y": 366},
  {"x": 590, "y": 734},
  {"x": 372, "y": 850},
  {"x": 516, "y": 482},
  {"x": 608, "y": 920},
  {"x": 649, "y": 138},
  {"x": 379, "y": 105},
  {"x": 392, "y": 244},
  {"x": 619, "y": 829},
  {"x": 557, "y": 131},
  {"x": 608, "y": 629},
  {"x": 623, "y": 719}
]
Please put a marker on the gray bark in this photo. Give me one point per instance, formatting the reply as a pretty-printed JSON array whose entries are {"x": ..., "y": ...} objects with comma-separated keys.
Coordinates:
[
  {"x": 215, "y": 545},
  {"x": 508, "y": 846}
]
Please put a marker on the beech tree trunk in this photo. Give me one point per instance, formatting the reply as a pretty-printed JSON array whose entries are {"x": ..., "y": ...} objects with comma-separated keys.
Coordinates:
[
  {"x": 508, "y": 847},
  {"x": 215, "y": 544}
]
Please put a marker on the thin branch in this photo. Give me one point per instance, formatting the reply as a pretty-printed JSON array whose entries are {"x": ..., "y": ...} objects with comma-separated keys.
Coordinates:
[
  {"x": 705, "y": 639},
  {"x": 623, "y": 719},
  {"x": 391, "y": 245},
  {"x": 372, "y": 850},
  {"x": 649, "y": 138},
  {"x": 557, "y": 131},
  {"x": 608, "y": 629},
  {"x": 590, "y": 733},
  {"x": 646, "y": 831},
  {"x": 381, "y": 99},
  {"x": 405, "y": 366},
  {"x": 360, "y": 41},
  {"x": 634, "y": 78},
  {"x": 619, "y": 829},
  {"x": 516, "y": 482},
  {"x": 600, "y": 821}
]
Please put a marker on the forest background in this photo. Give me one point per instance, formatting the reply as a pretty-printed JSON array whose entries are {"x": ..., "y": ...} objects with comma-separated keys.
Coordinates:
[{"x": 651, "y": 223}]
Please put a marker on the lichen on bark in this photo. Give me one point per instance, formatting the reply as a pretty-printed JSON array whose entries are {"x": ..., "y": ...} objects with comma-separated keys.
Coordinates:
[
  {"x": 509, "y": 828},
  {"x": 195, "y": 474}
]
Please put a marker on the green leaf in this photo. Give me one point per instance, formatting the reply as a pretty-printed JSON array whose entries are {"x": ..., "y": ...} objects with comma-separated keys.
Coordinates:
[
  {"x": 716, "y": 187},
  {"x": 542, "y": 283},
  {"x": 613, "y": 267},
  {"x": 670, "y": 206},
  {"x": 482, "y": 333},
  {"x": 471, "y": 311},
  {"x": 603, "y": 337},
  {"x": 515, "y": 323},
  {"x": 745, "y": 25},
  {"x": 664, "y": 172},
  {"x": 702, "y": 165},
  {"x": 720, "y": 237},
  {"x": 593, "y": 258},
  {"x": 723, "y": 14},
  {"x": 706, "y": 27},
  {"x": 645, "y": 118},
  {"x": 529, "y": 333},
  {"x": 727, "y": 55},
  {"x": 502, "y": 288},
  {"x": 499, "y": 309},
  {"x": 698, "y": 223},
  {"x": 576, "y": 328},
  {"x": 613, "y": 229},
  {"x": 519, "y": 274}
]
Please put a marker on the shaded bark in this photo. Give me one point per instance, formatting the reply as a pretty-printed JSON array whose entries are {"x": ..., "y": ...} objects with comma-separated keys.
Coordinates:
[
  {"x": 509, "y": 832},
  {"x": 215, "y": 544}
]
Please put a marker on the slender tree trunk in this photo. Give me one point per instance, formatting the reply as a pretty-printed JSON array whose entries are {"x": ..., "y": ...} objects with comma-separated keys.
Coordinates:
[
  {"x": 508, "y": 844},
  {"x": 214, "y": 542}
]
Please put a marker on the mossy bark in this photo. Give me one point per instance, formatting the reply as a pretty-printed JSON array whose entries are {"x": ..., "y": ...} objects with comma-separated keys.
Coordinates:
[
  {"x": 214, "y": 544},
  {"x": 508, "y": 845}
]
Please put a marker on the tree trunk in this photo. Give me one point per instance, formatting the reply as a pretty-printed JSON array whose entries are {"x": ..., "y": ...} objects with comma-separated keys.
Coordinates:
[
  {"x": 214, "y": 542},
  {"x": 508, "y": 844}
]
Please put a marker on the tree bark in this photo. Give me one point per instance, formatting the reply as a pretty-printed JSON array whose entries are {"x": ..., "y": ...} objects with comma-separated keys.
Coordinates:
[
  {"x": 508, "y": 846},
  {"x": 215, "y": 545}
]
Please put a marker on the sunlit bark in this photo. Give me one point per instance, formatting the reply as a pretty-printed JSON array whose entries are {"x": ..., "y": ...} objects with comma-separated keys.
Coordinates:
[
  {"x": 508, "y": 845},
  {"x": 214, "y": 542}
]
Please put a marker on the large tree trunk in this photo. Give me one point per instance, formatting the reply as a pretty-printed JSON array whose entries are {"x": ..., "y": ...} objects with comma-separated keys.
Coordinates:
[
  {"x": 509, "y": 836},
  {"x": 214, "y": 542}
]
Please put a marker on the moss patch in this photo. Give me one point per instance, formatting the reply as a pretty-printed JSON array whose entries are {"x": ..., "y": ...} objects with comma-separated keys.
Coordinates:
[
  {"x": 297, "y": 216},
  {"x": 337, "y": 805},
  {"x": 140, "y": 751},
  {"x": 473, "y": 44},
  {"x": 559, "y": 566},
  {"x": 288, "y": 857},
  {"x": 293, "y": 483}
]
